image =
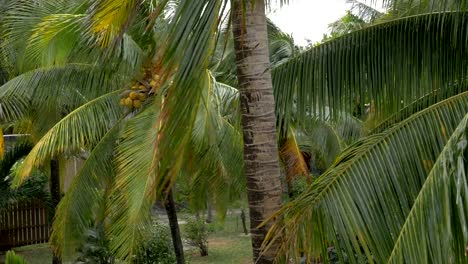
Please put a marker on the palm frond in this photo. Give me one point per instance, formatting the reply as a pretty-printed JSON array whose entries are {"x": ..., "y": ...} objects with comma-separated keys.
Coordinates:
[
  {"x": 82, "y": 128},
  {"x": 23, "y": 17},
  {"x": 62, "y": 87},
  {"x": 393, "y": 64},
  {"x": 76, "y": 211},
  {"x": 109, "y": 19},
  {"x": 420, "y": 6},
  {"x": 322, "y": 142},
  {"x": 133, "y": 192},
  {"x": 53, "y": 38},
  {"x": 365, "y": 11},
  {"x": 216, "y": 150},
  {"x": 292, "y": 158},
  {"x": 441, "y": 207},
  {"x": 12, "y": 156},
  {"x": 191, "y": 32},
  {"x": 418, "y": 105},
  {"x": 360, "y": 204}
]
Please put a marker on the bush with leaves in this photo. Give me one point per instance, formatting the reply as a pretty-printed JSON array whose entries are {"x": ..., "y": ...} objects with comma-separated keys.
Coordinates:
[
  {"x": 95, "y": 249},
  {"x": 157, "y": 247},
  {"x": 196, "y": 231},
  {"x": 12, "y": 258},
  {"x": 34, "y": 188},
  {"x": 298, "y": 186}
]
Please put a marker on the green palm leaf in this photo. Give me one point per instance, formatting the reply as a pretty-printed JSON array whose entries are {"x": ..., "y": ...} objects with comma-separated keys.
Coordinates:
[
  {"x": 418, "y": 105},
  {"x": 63, "y": 87},
  {"x": 440, "y": 208},
  {"x": 216, "y": 149},
  {"x": 134, "y": 190},
  {"x": 23, "y": 19},
  {"x": 360, "y": 204},
  {"x": 77, "y": 210},
  {"x": 82, "y": 128},
  {"x": 109, "y": 19},
  {"x": 191, "y": 32},
  {"x": 389, "y": 65},
  {"x": 53, "y": 39}
]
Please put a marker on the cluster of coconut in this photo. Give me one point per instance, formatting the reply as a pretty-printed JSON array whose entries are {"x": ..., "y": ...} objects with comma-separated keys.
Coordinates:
[{"x": 134, "y": 97}]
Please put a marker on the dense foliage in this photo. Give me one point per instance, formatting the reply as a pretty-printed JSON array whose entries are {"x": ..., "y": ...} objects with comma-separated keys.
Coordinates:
[
  {"x": 196, "y": 231},
  {"x": 156, "y": 247}
]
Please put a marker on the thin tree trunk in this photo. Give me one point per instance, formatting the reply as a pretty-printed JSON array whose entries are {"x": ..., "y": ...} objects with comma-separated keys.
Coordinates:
[
  {"x": 209, "y": 213},
  {"x": 258, "y": 120},
  {"x": 169, "y": 205},
  {"x": 55, "y": 195},
  {"x": 244, "y": 224}
]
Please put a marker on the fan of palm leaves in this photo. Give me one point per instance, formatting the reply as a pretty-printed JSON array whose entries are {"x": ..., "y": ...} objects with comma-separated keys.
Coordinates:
[
  {"x": 388, "y": 66},
  {"x": 375, "y": 197}
]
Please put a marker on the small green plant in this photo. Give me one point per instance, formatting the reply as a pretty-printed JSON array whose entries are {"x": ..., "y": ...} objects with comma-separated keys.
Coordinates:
[
  {"x": 12, "y": 258},
  {"x": 196, "y": 232},
  {"x": 299, "y": 185},
  {"x": 157, "y": 247},
  {"x": 95, "y": 248}
]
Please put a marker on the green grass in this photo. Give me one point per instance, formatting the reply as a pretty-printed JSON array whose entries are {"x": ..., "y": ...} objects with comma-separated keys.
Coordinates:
[
  {"x": 34, "y": 254},
  {"x": 227, "y": 244}
]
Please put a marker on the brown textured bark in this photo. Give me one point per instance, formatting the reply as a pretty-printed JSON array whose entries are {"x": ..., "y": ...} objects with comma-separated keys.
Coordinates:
[
  {"x": 244, "y": 222},
  {"x": 258, "y": 120},
  {"x": 170, "y": 207},
  {"x": 55, "y": 195}
]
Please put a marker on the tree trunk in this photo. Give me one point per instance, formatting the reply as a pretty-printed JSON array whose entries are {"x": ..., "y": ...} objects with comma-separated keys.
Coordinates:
[
  {"x": 55, "y": 195},
  {"x": 169, "y": 205},
  {"x": 258, "y": 120},
  {"x": 244, "y": 224},
  {"x": 209, "y": 213}
]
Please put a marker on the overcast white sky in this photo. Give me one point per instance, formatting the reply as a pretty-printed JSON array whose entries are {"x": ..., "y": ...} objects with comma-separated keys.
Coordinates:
[{"x": 308, "y": 19}]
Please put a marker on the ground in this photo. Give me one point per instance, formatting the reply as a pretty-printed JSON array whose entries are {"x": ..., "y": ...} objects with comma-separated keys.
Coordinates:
[{"x": 226, "y": 244}]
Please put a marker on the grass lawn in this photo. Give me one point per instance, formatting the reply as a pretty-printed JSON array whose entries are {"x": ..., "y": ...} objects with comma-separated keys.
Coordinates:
[
  {"x": 226, "y": 244},
  {"x": 33, "y": 254},
  {"x": 225, "y": 250}
]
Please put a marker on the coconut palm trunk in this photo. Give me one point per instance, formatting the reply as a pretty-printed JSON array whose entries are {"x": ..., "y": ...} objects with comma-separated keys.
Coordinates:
[
  {"x": 55, "y": 195},
  {"x": 258, "y": 119},
  {"x": 170, "y": 207}
]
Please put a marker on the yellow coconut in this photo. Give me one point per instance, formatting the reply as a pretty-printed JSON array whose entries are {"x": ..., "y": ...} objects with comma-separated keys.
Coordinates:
[
  {"x": 142, "y": 96},
  {"x": 128, "y": 102},
  {"x": 136, "y": 103},
  {"x": 133, "y": 95}
]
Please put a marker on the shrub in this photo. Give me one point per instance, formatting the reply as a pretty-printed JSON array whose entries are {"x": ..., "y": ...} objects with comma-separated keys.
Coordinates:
[
  {"x": 196, "y": 232},
  {"x": 95, "y": 249},
  {"x": 299, "y": 185},
  {"x": 157, "y": 247},
  {"x": 12, "y": 258}
]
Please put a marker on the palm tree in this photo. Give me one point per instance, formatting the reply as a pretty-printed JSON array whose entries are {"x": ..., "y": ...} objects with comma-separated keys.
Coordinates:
[
  {"x": 48, "y": 149},
  {"x": 261, "y": 162}
]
